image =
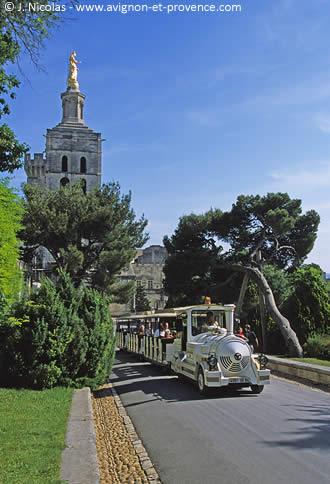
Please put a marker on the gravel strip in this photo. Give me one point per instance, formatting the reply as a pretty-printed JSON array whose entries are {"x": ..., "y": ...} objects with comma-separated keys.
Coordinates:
[{"x": 121, "y": 454}]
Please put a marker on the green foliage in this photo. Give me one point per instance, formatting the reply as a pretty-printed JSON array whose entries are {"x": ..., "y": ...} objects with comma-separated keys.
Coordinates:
[
  {"x": 141, "y": 301},
  {"x": 65, "y": 337},
  {"x": 11, "y": 150},
  {"x": 9, "y": 50},
  {"x": 318, "y": 346},
  {"x": 279, "y": 282},
  {"x": 92, "y": 236},
  {"x": 24, "y": 30},
  {"x": 250, "y": 310},
  {"x": 10, "y": 220},
  {"x": 203, "y": 246},
  {"x": 21, "y": 31},
  {"x": 308, "y": 307},
  {"x": 192, "y": 256},
  {"x": 272, "y": 224},
  {"x": 99, "y": 335},
  {"x": 122, "y": 291},
  {"x": 302, "y": 298}
]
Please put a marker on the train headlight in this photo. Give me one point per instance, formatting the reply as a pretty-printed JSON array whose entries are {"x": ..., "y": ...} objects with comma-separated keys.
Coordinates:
[
  {"x": 212, "y": 361},
  {"x": 263, "y": 360}
]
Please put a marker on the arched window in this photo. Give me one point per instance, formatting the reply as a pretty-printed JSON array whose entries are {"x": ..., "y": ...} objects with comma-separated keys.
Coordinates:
[
  {"x": 84, "y": 185},
  {"x": 64, "y": 181},
  {"x": 64, "y": 163},
  {"x": 83, "y": 165}
]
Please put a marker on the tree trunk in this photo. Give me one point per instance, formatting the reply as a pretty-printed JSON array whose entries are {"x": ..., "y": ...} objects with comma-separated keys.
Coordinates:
[
  {"x": 262, "y": 306},
  {"x": 242, "y": 295},
  {"x": 288, "y": 334}
]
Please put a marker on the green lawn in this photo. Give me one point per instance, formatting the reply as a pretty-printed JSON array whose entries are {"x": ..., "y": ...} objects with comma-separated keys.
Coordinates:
[
  {"x": 314, "y": 361},
  {"x": 32, "y": 434}
]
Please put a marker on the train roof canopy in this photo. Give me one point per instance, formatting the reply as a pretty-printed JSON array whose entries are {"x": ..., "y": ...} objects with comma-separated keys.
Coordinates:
[{"x": 173, "y": 312}]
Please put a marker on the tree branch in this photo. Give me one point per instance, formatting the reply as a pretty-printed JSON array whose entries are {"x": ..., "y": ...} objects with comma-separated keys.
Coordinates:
[
  {"x": 259, "y": 245},
  {"x": 288, "y": 334}
]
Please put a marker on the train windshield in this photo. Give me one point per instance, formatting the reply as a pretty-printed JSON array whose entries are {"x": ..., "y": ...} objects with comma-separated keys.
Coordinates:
[{"x": 203, "y": 321}]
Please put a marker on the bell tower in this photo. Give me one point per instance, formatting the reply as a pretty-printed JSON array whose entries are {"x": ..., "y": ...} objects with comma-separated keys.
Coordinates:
[{"x": 73, "y": 151}]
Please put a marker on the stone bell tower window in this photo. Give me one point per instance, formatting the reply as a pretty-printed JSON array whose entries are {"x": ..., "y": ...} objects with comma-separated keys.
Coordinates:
[
  {"x": 64, "y": 163},
  {"x": 83, "y": 165},
  {"x": 64, "y": 181},
  {"x": 84, "y": 185}
]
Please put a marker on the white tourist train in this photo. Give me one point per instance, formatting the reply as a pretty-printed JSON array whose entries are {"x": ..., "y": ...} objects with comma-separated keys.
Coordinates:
[{"x": 197, "y": 342}]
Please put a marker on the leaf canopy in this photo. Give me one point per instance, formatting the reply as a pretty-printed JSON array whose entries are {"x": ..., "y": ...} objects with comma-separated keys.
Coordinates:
[
  {"x": 93, "y": 236},
  {"x": 259, "y": 230}
]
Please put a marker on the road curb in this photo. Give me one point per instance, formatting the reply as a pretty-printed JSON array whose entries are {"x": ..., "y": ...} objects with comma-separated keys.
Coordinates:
[
  {"x": 316, "y": 374},
  {"x": 79, "y": 458},
  {"x": 145, "y": 461}
]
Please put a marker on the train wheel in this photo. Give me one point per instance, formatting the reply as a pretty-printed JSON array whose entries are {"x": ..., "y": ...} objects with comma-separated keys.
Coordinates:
[
  {"x": 257, "y": 388},
  {"x": 201, "y": 382}
]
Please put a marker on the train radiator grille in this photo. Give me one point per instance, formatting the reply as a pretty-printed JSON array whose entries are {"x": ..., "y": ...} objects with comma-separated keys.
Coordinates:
[{"x": 234, "y": 366}]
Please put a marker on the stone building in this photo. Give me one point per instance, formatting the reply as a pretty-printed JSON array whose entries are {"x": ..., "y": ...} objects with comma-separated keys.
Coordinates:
[
  {"x": 73, "y": 151},
  {"x": 146, "y": 270}
]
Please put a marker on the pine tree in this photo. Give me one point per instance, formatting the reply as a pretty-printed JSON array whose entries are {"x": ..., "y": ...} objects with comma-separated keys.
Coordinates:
[
  {"x": 62, "y": 335},
  {"x": 141, "y": 301},
  {"x": 92, "y": 236}
]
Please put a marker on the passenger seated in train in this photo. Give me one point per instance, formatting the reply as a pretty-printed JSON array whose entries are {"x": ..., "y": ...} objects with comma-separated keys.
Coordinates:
[
  {"x": 210, "y": 322},
  {"x": 141, "y": 330},
  {"x": 167, "y": 331},
  {"x": 160, "y": 331}
]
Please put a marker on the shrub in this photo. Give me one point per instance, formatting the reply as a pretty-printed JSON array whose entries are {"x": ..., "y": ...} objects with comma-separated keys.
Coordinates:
[
  {"x": 308, "y": 306},
  {"x": 100, "y": 336},
  {"x": 60, "y": 336},
  {"x": 318, "y": 346}
]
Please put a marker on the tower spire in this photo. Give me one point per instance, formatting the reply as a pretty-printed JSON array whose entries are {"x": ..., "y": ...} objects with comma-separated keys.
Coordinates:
[
  {"x": 73, "y": 151},
  {"x": 72, "y": 99}
]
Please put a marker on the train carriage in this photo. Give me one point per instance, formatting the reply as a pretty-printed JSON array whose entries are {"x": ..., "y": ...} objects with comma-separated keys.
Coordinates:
[{"x": 202, "y": 346}]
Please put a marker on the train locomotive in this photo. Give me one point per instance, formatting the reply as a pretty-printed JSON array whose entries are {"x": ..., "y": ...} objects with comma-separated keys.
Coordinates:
[{"x": 201, "y": 347}]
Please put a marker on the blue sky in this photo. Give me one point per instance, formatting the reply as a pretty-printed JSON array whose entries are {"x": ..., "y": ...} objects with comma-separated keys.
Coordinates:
[{"x": 197, "y": 108}]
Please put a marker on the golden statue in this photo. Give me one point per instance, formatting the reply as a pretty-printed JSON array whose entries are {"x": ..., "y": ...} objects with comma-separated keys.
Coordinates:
[{"x": 73, "y": 71}]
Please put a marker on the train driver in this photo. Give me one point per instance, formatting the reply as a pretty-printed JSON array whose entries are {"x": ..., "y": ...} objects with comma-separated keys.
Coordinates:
[{"x": 210, "y": 322}]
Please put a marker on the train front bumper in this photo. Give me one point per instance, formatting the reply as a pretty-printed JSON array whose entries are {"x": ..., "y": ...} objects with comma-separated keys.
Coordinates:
[{"x": 217, "y": 379}]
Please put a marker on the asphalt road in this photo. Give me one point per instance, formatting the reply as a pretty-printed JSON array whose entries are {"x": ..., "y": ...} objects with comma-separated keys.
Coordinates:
[{"x": 279, "y": 436}]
